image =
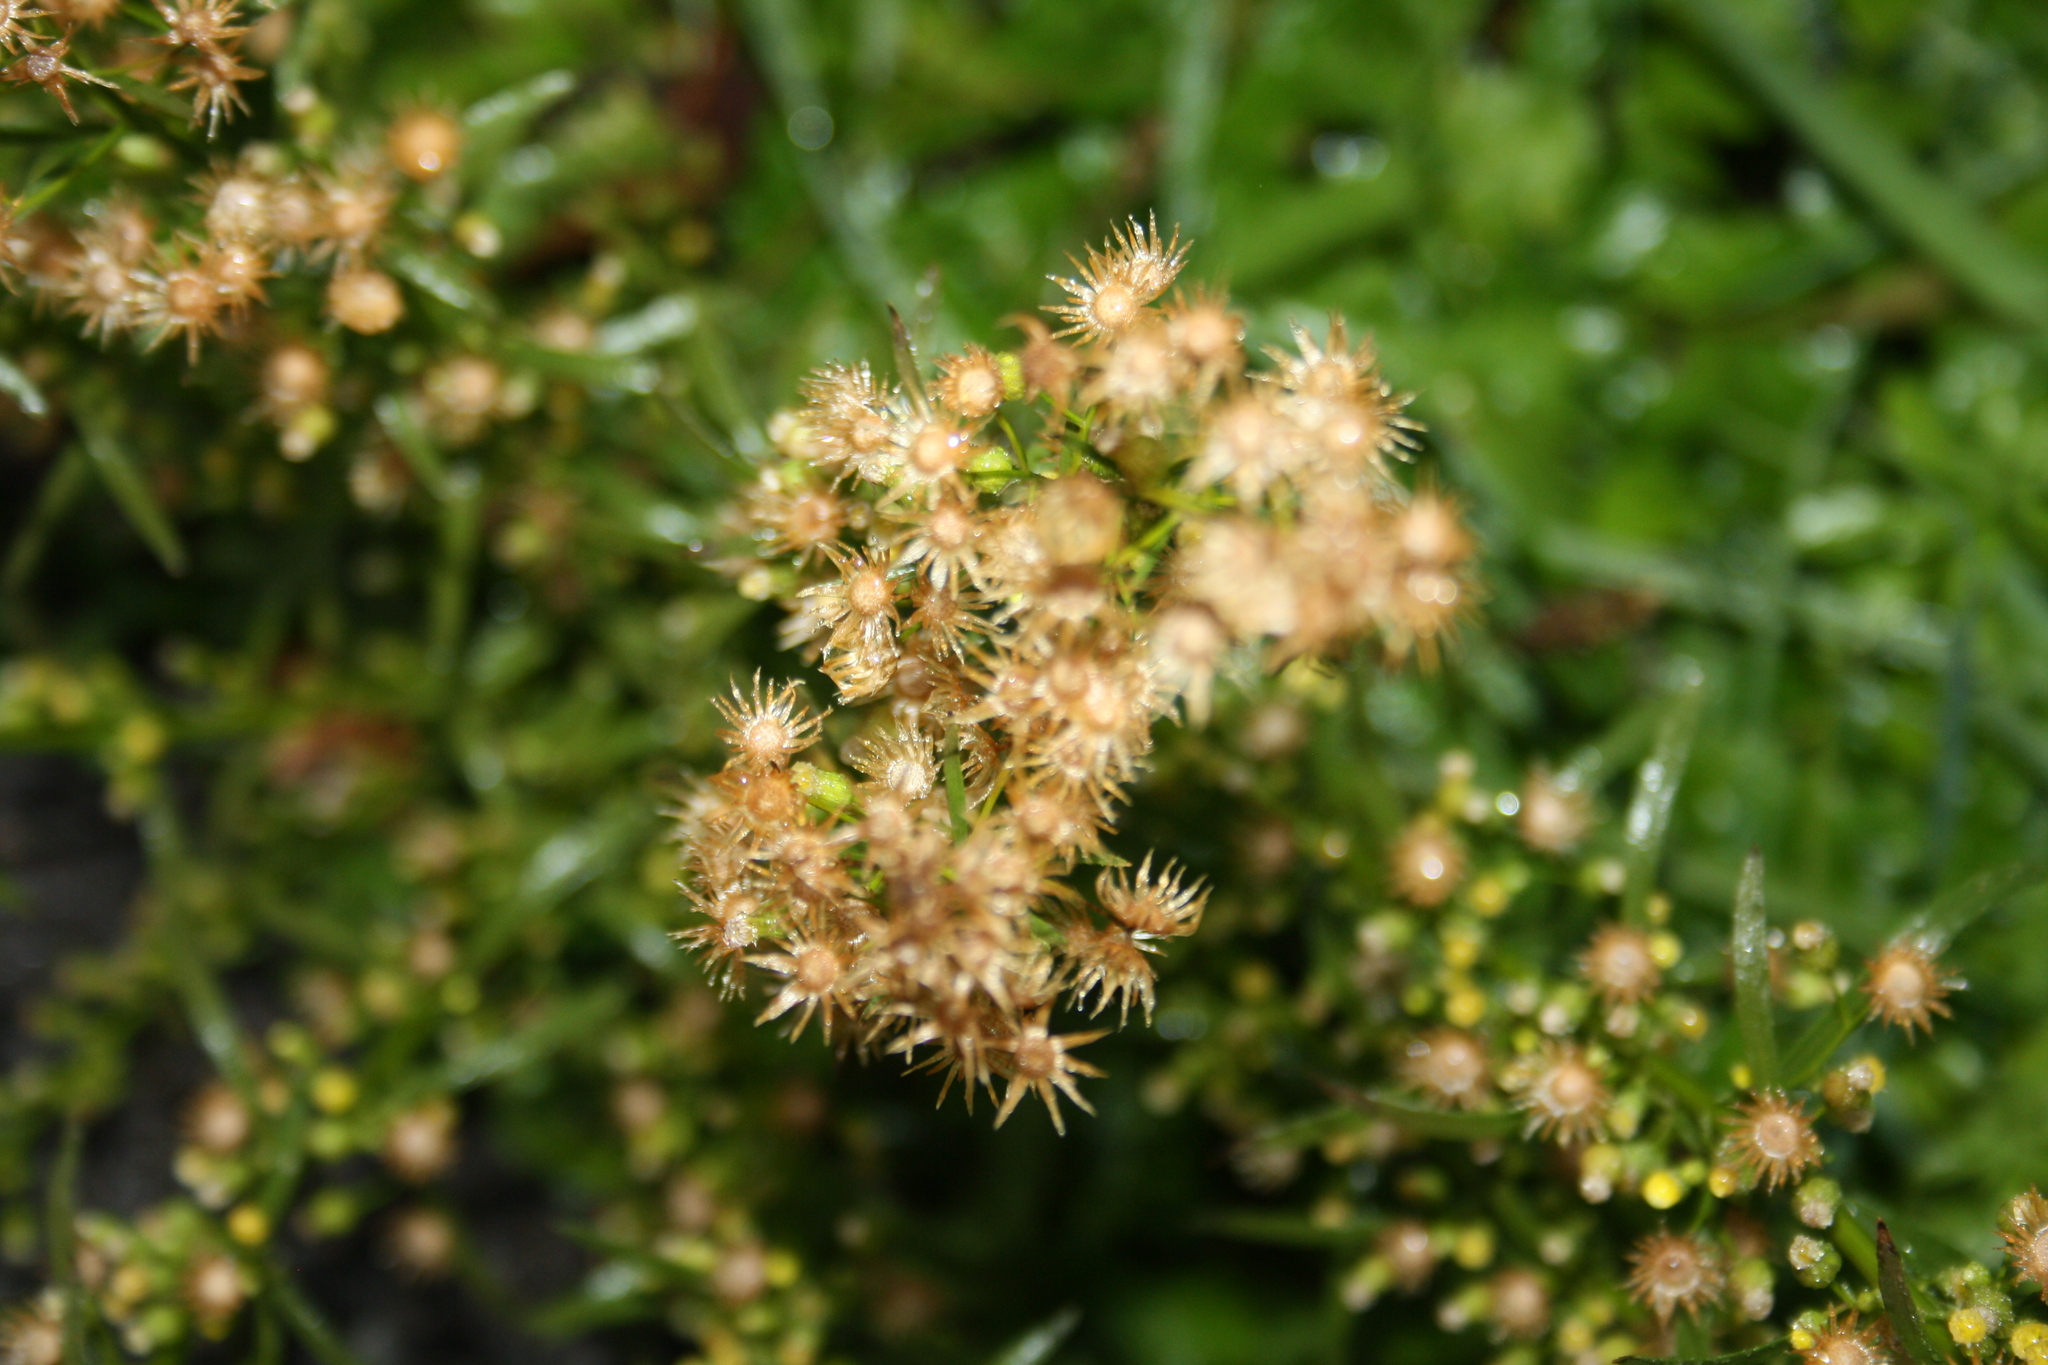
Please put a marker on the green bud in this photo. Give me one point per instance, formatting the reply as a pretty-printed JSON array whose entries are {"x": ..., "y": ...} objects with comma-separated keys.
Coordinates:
[
  {"x": 828, "y": 791},
  {"x": 1814, "y": 1262},
  {"x": 1013, "y": 375}
]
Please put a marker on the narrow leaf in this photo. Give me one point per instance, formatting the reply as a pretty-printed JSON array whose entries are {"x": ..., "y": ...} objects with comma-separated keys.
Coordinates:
[
  {"x": 513, "y": 107},
  {"x": 60, "y": 489},
  {"x": 1753, "y": 973},
  {"x": 402, "y": 425},
  {"x": 1823, "y": 1037},
  {"x": 22, "y": 389},
  {"x": 1771, "y": 1350},
  {"x": 1957, "y": 909},
  {"x": 1455, "y": 1125},
  {"x": 956, "y": 789},
  {"x": 906, "y": 361},
  {"x": 1657, "y": 782},
  {"x": 60, "y": 1231},
  {"x": 1036, "y": 1345},
  {"x": 131, "y": 492},
  {"x": 1898, "y": 1300},
  {"x": 435, "y": 279}
]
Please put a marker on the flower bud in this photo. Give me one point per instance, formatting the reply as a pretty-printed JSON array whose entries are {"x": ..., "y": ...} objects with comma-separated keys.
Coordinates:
[{"x": 1816, "y": 1263}]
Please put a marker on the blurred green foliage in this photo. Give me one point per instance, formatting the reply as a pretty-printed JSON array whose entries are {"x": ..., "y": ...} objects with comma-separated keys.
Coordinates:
[{"x": 1725, "y": 320}]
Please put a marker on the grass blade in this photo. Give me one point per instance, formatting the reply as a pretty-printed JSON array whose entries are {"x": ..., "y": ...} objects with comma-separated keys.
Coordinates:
[
  {"x": 1770, "y": 1350},
  {"x": 1657, "y": 783},
  {"x": 1036, "y": 1345},
  {"x": 1752, "y": 950},
  {"x": 1898, "y": 1300},
  {"x": 131, "y": 492}
]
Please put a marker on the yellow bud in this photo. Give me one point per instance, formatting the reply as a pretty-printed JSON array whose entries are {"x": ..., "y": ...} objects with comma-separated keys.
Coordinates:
[
  {"x": 1417, "y": 999},
  {"x": 1662, "y": 1190},
  {"x": 335, "y": 1091},
  {"x": 1743, "y": 1077},
  {"x": 1799, "y": 1339},
  {"x": 1968, "y": 1326},
  {"x": 782, "y": 1268},
  {"x": 249, "y": 1225},
  {"x": 1461, "y": 946},
  {"x": 1489, "y": 895},
  {"x": 1465, "y": 1006},
  {"x": 1473, "y": 1248},
  {"x": 1722, "y": 1182},
  {"x": 2030, "y": 1342},
  {"x": 141, "y": 739},
  {"x": 1665, "y": 949}
]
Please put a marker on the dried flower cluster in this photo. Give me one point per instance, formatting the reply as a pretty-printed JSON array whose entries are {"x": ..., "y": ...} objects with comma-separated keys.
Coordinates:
[
  {"x": 122, "y": 271},
  {"x": 1015, "y": 568},
  {"x": 197, "y": 52}
]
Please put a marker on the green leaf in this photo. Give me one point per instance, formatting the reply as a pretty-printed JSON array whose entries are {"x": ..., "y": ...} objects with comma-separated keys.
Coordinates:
[
  {"x": 956, "y": 788},
  {"x": 131, "y": 492},
  {"x": 1657, "y": 782},
  {"x": 1036, "y": 1345},
  {"x": 1823, "y": 1037},
  {"x": 22, "y": 389},
  {"x": 438, "y": 281},
  {"x": 1752, "y": 951},
  {"x": 402, "y": 425},
  {"x": 1898, "y": 1300},
  {"x": 1469, "y": 1125},
  {"x": 60, "y": 489},
  {"x": 1769, "y": 1350},
  {"x": 515, "y": 106},
  {"x": 1957, "y": 909}
]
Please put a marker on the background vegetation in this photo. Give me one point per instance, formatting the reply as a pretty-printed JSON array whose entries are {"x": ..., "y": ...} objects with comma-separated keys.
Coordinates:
[{"x": 1726, "y": 321}]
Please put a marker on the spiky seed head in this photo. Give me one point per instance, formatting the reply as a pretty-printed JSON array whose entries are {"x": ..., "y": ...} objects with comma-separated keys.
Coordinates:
[
  {"x": 1562, "y": 1092},
  {"x": 2024, "y": 1225},
  {"x": 1772, "y": 1138},
  {"x": 1427, "y": 863},
  {"x": 1906, "y": 987},
  {"x": 1620, "y": 966},
  {"x": 1669, "y": 1271},
  {"x": 1449, "y": 1066}
]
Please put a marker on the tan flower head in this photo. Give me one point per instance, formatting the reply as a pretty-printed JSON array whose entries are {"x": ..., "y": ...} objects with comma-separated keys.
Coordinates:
[
  {"x": 1772, "y": 1137},
  {"x": 424, "y": 143},
  {"x": 768, "y": 729},
  {"x": 1133, "y": 268},
  {"x": 216, "y": 1120},
  {"x": 1845, "y": 1343},
  {"x": 1906, "y": 987},
  {"x": 1427, "y": 863},
  {"x": 971, "y": 384},
  {"x": 1450, "y": 1067},
  {"x": 43, "y": 65},
  {"x": 1553, "y": 817},
  {"x": 1152, "y": 904},
  {"x": 420, "y": 1143},
  {"x": 1619, "y": 966},
  {"x": 1669, "y": 1271},
  {"x": 1409, "y": 1251},
  {"x": 2024, "y": 1225},
  {"x": 215, "y": 1287},
  {"x": 1561, "y": 1091},
  {"x": 1518, "y": 1304},
  {"x": 1038, "y": 1062}
]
